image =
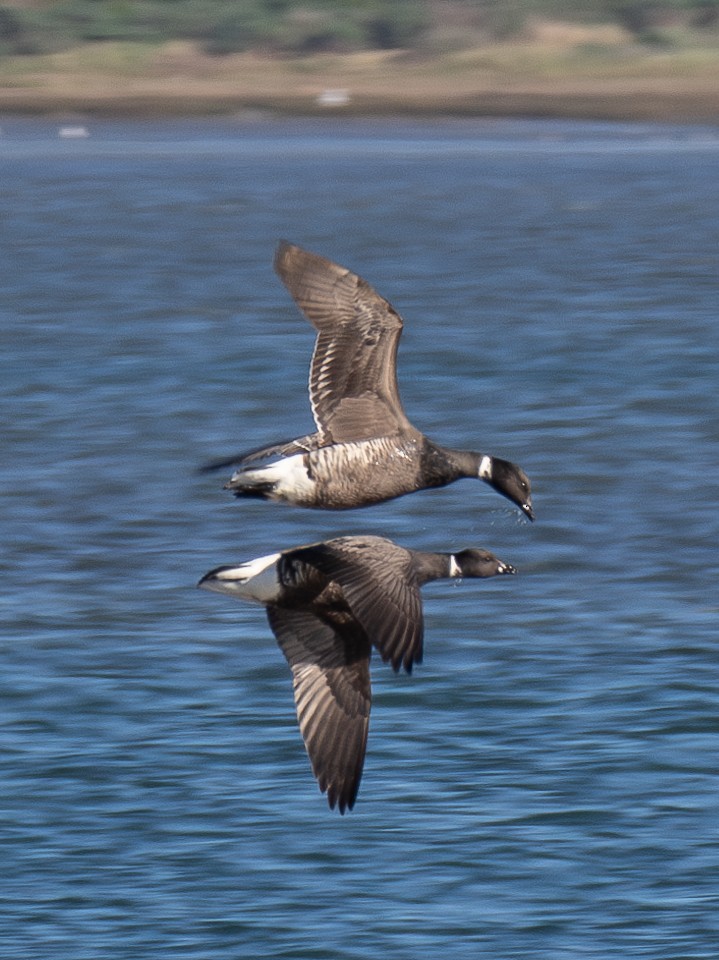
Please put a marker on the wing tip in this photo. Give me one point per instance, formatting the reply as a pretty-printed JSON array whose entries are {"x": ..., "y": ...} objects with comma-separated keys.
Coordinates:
[{"x": 341, "y": 796}]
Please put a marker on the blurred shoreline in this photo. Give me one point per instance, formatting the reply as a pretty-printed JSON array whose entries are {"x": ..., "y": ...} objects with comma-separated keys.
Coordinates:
[{"x": 114, "y": 80}]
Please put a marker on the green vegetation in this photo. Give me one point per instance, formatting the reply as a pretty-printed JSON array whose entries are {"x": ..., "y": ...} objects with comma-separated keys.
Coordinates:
[
  {"x": 220, "y": 26},
  {"x": 299, "y": 27},
  {"x": 609, "y": 59}
]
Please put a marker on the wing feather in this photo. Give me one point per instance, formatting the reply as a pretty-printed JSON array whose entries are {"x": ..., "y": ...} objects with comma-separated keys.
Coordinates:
[
  {"x": 353, "y": 373},
  {"x": 379, "y": 584},
  {"x": 283, "y": 448},
  {"x": 329, "y": 660}
]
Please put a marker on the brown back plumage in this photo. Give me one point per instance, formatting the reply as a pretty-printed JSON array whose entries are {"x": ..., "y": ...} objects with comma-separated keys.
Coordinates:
[{"x": 380, "y": 587}]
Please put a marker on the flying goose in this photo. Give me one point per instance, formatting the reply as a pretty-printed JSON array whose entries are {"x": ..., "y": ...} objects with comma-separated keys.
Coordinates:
[
  {"x": 364, "y": 450},
  {"x": 328, "y": 603}
]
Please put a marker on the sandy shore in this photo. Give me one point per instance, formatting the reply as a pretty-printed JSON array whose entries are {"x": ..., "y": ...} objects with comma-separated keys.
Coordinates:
[{"x": 526, "y": 80}]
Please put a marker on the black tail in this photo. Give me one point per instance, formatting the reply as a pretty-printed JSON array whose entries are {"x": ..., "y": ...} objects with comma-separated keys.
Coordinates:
[{"x": 260, "y": 491}]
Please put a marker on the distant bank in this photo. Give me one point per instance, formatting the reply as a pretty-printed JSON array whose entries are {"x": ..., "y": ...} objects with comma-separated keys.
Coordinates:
[{"x": 607, "y": 82}]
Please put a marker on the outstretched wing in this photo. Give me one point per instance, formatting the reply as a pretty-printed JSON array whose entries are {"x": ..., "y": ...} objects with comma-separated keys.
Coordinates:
[
  {"x": 330, "y": 669},
  {"x": 380, "y": 587},
  {"x": 353, "y": 376}
]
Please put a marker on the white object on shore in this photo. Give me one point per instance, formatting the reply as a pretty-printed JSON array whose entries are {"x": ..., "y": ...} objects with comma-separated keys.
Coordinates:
[
  {"x": 333, "y": 98},
  {"x": 73, "y": 133}
]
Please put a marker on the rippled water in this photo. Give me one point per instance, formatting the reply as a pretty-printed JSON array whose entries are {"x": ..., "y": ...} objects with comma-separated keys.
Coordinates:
[{"x": 545, "y": 784}]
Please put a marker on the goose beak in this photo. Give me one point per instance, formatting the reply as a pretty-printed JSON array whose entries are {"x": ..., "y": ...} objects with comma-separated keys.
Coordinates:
[
  {"x": 506, "y": 568},
  {"x": 526, "y": 509}
]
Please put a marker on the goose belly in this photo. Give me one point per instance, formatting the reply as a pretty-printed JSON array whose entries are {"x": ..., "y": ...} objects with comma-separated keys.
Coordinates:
[
  {"x": 358, "y": 474},
  {"x": 337, "y": 477}
]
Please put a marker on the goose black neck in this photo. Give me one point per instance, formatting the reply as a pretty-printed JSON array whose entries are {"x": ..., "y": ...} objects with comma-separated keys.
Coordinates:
[
  {"x": 433, "y": 566},
  {"x": 441, "y": 465}
]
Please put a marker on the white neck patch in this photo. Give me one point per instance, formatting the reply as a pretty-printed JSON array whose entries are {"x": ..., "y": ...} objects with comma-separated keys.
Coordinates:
[
  {"x": 485, "y": 468},
  {"x": 454, "y": 568}
]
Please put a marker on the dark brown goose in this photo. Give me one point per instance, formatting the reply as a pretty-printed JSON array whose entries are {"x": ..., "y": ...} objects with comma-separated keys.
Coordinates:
[
  {"x": 365, "y": 450},
  {"x": 328, "y": 604}
]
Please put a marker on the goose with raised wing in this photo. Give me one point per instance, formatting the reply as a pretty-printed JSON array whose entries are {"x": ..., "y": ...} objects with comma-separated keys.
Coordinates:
[
  {"x": 328, "y": 604},
  {"x": 364, "y": 450}
]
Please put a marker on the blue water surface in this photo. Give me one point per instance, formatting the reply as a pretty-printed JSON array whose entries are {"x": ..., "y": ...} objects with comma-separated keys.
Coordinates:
[{"x": 546, "y": 784}]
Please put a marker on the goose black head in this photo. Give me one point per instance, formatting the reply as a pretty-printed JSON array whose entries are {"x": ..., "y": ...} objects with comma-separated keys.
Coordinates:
[
  {"x": 509, "y": 480},
  {"x": 479, "y": 563}
]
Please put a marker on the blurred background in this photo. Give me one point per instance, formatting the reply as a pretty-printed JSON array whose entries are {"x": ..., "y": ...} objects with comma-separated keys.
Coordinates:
[
  {"x": 604, "y": 58},
  {"x": 544, "y": 785}
]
